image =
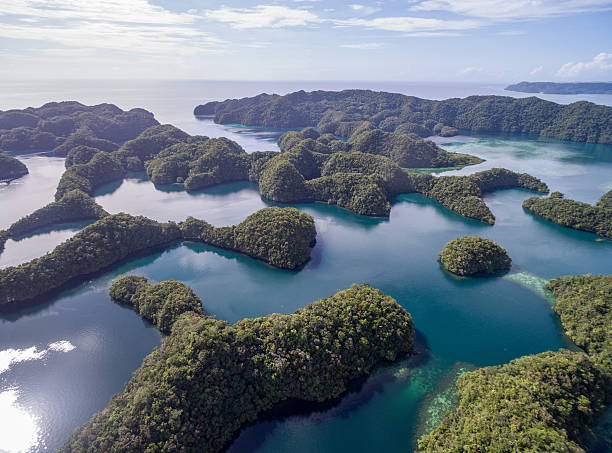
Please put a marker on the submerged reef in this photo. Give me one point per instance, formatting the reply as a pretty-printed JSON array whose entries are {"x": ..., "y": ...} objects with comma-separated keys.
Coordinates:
[
  {"x": 59, "y": 126},
  {"x": 161, "y": 303},
  {"x": 283, "y": 237},
  {"x": 11, "y": 168},
  {"x": 574, "y": 214},
  {"x": 473, "y": 255},
  {"x": 339, "y": 112},
  {"x": 210, "y": 378}
]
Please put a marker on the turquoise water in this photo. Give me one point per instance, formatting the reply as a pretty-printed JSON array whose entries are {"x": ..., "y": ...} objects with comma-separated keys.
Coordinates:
[{"x": 60, "y": 361}]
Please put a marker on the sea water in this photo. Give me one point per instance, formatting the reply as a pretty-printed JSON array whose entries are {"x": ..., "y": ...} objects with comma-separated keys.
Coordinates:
[{"x": 60, "y": 361}]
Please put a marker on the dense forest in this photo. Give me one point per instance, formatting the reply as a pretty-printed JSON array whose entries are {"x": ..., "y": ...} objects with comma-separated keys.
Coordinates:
[
  {"x": 339, "y": 111},
  {"x": 73, "y": 206},
  {"x": 160, "y": 303},
  {"x": 210, "y": 378},
  {"x": 283, "y": 237},
  {"x": 584, "y": 304},
  {"x": 60, "y": 126},
  {"x": 473, "y": 255},
  {"x": 562, "y": 88},
  {"x": 97, "y": 246},
  {"x": 539, "y": 403},
  {"x": 11, "y": 168},
  {"x": 574, "y": 214}
]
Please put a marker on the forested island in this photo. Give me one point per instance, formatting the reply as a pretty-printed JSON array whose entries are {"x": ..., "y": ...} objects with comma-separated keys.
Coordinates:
[
  {"x": 473, "y": 256},
  {"x": 11, "y": 168},
  {"x": 574, "y": 214},
  {"x": 282, "y": 237},
  {"x": 60, "y": 126},
  {"x": 160, "y": 303},
  {"x": 562, "y": 88},
  {"x": 542, "y": 402},
  {"x": 210, "y": 378},
  {"x": 340, "y": 112}
]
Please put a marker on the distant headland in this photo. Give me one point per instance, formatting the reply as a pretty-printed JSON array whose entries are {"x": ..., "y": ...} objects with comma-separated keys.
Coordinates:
[{"x": 562, "y": 88}]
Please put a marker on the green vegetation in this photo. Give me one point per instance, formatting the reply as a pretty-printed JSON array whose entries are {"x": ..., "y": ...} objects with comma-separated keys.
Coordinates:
[
  {"x": 134, "y": 153},
  {"x": 101, "y": 169},
  {"x": 473, "y": 255},
  {"x": 562, "y": 88},
  {"x": 574, "y": 214},
  {"x": 282, "y": 237},
  {"x": 200, "y": 163},
  {"x": 61, "y": 126},
  {"x": 210, "y": 378},
  {"x": 362, "y": 194},
  {"x": 542, "y": 402},
  {"x": 73, "y": 206},
  {"x": 408, "y": 150},
  {"x": 584, "y": 304},
  {"x": 97, "y": 246},
  {"x": 11, "y": 168},
  {"x": 310, "y": 170},
  {"x": 448, "y": 131},
  {"x": 538, "y": 403},
  {"x": 162, "y": 303},
  {"x": 333, "y": 112}
]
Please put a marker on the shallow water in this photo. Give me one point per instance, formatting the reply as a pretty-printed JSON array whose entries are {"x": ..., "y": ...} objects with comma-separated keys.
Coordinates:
[{"x": 52, "y": 389}]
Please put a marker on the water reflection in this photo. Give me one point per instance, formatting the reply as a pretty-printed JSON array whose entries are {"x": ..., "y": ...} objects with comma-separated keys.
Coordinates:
[{"x": 19, "y": 430}]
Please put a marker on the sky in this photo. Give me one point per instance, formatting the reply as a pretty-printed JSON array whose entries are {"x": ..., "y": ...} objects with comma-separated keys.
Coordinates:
[{"x": 391, "y": 40}]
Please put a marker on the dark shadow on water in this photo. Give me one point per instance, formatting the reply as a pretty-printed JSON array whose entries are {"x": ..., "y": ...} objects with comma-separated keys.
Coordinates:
[
  {"x": 566, "y": 232},
  {"x": 58, "y": 227},
  {"x": 359, "y": 392}
]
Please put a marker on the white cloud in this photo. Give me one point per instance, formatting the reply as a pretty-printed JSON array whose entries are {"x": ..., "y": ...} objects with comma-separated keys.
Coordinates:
[
  {"x": 536, "y": 70},
  {"x": 364, "y": 10},
  {"x": 514, "y": 9},
  {"x": 410, "y": 24},
  {"x": 471, "y": 70},
  {"x": 600, "y": 63},
  {"x": 262, "y": 16},
  {"x": 512, "y": 33},
  {"x": 131, "y": 26},
  {"x": 365, "y": 45},
  {"x": 126, "y": 11},
  {"x": 144, "y": 39}
]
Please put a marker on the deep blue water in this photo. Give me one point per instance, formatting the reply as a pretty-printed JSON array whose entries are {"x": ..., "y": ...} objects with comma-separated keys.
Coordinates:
[{"x": 62, "y": 360}]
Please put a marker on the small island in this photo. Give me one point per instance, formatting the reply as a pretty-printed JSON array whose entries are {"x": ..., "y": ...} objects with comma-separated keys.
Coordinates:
[
  {"x": 574, "y": 214},
  {"x": 562, "y": 88},
  {"x": 474, "y": 256},
  {"x": 11, "y": 168},
  {"x": 161, "y": 303},
  {"x": 210, "y": 378}
]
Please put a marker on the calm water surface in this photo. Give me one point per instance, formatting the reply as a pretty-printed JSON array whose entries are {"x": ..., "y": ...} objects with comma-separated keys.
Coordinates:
[{"x": 60, "y": 361}]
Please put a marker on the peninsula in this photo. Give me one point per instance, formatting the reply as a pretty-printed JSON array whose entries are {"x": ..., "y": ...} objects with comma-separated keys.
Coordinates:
[{"x": 562, "y": 88}]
